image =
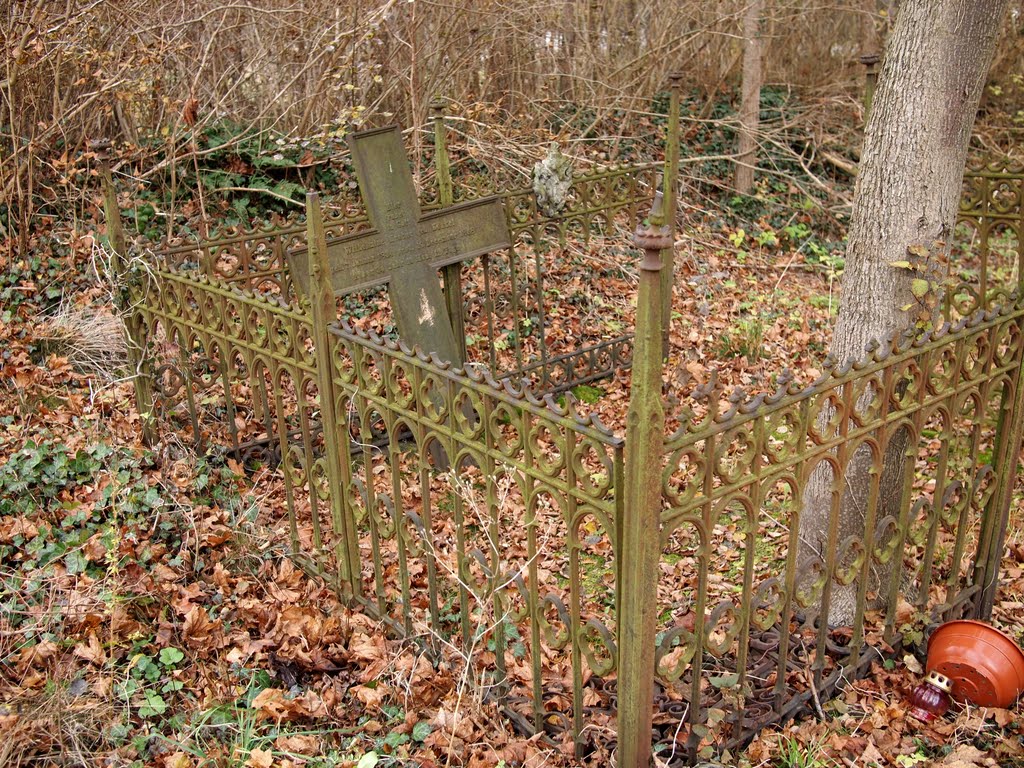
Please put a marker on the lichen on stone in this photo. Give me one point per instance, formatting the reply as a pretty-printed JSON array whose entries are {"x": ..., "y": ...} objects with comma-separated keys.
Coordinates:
[{"x": 552, "y": 178}]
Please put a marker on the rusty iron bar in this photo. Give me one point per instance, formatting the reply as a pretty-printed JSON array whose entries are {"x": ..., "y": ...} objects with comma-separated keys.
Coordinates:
[
  {"x": 645, "y": 432},
  {"x": 121, "y": 277},
  {"x": 1007, "y": 463},
  {"x": 991, "y": 207},
  {"x": 870, "y": 62},
  {"x": 324, "y": 312},
  {"x": 580, "y": 366}
]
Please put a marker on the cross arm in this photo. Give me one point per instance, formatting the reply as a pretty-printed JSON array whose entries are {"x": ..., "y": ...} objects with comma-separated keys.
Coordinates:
[{"x": 464, "y": 232}]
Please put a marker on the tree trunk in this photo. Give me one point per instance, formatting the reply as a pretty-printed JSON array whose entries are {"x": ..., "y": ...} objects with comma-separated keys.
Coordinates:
[
  {"x": 750, "y": 103},
  {"x": 908, "y": 191},
  {"x": 567, "y": 51}
]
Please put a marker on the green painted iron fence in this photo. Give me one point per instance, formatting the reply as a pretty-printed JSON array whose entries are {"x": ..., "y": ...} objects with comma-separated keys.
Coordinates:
[
  {"x": 503, "y": 294},
  {"x": 453, "y": 506},
  {"x": 582, "y": 576},
  {"x": 911, "y": 453},
  {"x": 990, "y": 230}
]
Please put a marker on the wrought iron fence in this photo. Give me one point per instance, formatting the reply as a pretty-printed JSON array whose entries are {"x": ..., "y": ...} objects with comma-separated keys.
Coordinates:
[
  {"x": 989, "y": 238},
  {"x": 908, "y": 457},
  {"x": 502, "y": 527},
  {"x": 457, "y": 508},
  {"x": 490, "y": 523},
  {"x": 503, "y": 294}
]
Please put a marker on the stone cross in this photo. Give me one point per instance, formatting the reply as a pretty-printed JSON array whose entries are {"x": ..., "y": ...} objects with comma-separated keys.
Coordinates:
[{"x": 406, "y": 247}]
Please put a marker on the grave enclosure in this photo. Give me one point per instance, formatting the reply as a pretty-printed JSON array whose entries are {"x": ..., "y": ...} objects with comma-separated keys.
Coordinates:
[{"x": 468, "y": 508}]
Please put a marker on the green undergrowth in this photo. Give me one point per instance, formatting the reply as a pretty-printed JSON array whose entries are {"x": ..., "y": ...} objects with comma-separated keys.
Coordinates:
[
  {"x": 134, "y": 596},
  {"x": 73, "y": 496},
  {"x": 85, "y": 533}
]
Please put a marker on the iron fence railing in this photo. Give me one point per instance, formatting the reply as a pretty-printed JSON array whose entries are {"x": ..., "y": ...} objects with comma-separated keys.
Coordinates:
[
  {"x": 503, "y": 294},
  {"x": 989, "y": 238},
  {"x": 907, "y": 460},
  {"x": 795, "y": 535},
  {"x": 462, "y": 510}
]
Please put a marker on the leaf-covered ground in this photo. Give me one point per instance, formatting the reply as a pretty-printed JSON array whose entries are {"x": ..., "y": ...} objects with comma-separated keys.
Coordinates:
[{"x": 150, "y": 616}]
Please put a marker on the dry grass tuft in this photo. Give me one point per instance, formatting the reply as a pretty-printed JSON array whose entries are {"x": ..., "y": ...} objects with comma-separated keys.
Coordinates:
[
  {"x": 54, "y": 711},
  {"x": 56, "y": 725},
  {"x": 92, "y": 340}
]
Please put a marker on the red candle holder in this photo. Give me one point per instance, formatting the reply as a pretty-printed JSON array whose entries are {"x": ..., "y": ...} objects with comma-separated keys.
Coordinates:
[{"x": 931, "y": 698}]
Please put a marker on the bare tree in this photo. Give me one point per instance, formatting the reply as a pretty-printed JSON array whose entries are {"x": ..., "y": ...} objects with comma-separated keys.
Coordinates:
[{"x": 750, "y": 104}]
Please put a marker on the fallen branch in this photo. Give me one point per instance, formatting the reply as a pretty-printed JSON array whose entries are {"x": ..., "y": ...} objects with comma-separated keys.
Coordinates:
[{"x": 838, "y": 162}]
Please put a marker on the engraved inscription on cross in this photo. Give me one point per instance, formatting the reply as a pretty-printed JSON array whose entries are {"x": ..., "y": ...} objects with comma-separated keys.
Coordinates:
[{"x": 406, "y": 248}]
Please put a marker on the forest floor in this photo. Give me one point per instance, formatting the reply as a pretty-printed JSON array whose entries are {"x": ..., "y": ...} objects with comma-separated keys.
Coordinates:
[{"x": 148, "y": 616}]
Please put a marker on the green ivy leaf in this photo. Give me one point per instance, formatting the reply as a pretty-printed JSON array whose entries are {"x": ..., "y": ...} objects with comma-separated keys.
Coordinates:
[
  {"x": 920, "y": 288},
  {"x": 288, "y": 189},
  {"x": 421, "y": 730},
  {"x": 725, "y": 681},
  {"x": 75, "y": 562},
  {"x": 152, "y": 498},
  {"x": 396, "y": 739},
  {"x": 171, "y": 656}
]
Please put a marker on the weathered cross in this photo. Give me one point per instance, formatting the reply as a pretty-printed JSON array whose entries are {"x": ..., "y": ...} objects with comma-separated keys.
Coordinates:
[{"x": 406, "y": 248}]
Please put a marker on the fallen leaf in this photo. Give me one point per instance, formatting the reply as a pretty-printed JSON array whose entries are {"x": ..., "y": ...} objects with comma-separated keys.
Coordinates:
[
  {"x": 260, "y": 758},
  {"x": 371, "y": 697},
  {"x": 964, "y": 756},
  {"x": 178, "y": 760},
  {"x": 91, "y": 650},
  {"x": 299, "y": 744},
  {"x": 1003, "y": 717},
  {"x": 273, "y": 704},
  {"x": 871, "y": 755},
  {"x": 911, "y": 663}
]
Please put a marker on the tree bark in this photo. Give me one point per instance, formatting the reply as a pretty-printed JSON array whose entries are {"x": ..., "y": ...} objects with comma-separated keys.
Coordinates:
[
  {"x": 907, "y": 194},
  {"x": 750, "y": 102}
]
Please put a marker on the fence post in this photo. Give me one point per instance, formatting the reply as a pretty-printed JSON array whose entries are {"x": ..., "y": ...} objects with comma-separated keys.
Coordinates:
[
  {"x": 1020, "y": 245},
  {"x": 641, "y": 537},
  {"x": 1006, "y": 462},
  {"x": 124, "y": 303},
  {"x": 670, "y": 190},
  {"x": 323, "y": 312},
  {"x": 870, "y": 62},
  {"x": 452, "y": 273}
]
